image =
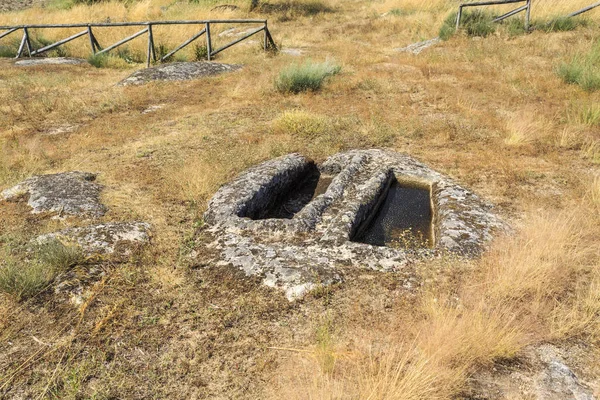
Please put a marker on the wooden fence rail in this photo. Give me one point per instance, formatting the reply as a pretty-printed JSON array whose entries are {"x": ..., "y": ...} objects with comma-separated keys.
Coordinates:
[
  {"x": 584, "y": 10},
  {"x": 25, "y": 44},
  {"x": 526, "y": 7}
]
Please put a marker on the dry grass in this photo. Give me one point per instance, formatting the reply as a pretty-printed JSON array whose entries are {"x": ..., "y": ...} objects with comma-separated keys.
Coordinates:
[
  {"x": 492, "y": 113},
  {"x": 541, "y": 285}
]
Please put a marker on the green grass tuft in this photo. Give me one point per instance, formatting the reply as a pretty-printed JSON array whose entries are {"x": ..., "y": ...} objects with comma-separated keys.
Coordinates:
[
  {"x": 98, "y": 60},
  {"x": 309, "y": 76},
  {"x": 22, "y": 279},
  {"x": 583, "y": 70},
  {"x": 58, "y": 256},
  {"x": 7, "y": 51},
  {"x": 200, "y": 52},
  {"x": 590, "y": 115},
  {"x": 562, "y": 24}
]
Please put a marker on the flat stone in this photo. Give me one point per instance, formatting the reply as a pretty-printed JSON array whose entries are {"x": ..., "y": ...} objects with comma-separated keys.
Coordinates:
[
  {"x": 292, "y": 51},
  {"x": 541, "y": 372},
  {"x": 556, "y": 381},
  {"x": 295, "y": 254},
  {"x": 116, "y": 238},
  {"x": 50, "y": 61},
  {"x": 418, "y": 47},
  {"x": 68, "y": 193},
  {"x": 178, "y": 71}
]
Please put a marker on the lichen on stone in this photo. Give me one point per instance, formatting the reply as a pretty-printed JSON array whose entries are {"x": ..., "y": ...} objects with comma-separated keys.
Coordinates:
[
  {"x": 68, "y": 193},
  {"x": 114, "y": 239},
  {"x": 298, "y": 253},
  {"x": 178, "y": 71}
]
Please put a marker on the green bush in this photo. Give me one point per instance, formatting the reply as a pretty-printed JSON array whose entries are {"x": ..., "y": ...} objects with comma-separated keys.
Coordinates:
[
  {"x": 583, "y": 70},
  {"x": 23, "y": 280},
  {"x": 474, "y": 23},
  {"x": 98, "y": 60},
  {"x": 298, "y": 78},
  {"x": 200, "y": 52}
]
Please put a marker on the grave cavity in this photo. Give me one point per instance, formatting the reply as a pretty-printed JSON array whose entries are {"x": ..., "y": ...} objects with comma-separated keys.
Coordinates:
[{"x": 296, "y": 223}]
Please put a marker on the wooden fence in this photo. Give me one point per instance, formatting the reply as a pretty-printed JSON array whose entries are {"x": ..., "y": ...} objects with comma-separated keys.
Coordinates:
[
  {"x": 526, "y": 7},
  {"x": 25, "y": 44}
]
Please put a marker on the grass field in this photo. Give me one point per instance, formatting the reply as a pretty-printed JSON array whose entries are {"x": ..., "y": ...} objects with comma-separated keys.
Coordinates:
[{"x": 495, "y": 113}]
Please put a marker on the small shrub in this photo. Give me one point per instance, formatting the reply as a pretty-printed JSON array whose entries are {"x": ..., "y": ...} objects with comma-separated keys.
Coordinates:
[
  {"x": 515, "y": 27},
  {"x": 23, "y": 280},
  {"x": 162, "y": 50},
  {"x": 474, "y": 23},
  {"x": 298, "y": 78},
  {"x": 7, "y": 51},
  {"x": 130, "y": 57},
  {"x": 98, "y": 60},
  {"x": 448, "y": 27},
  {"x": 200, "y": 52},
  {"x": 583, "y": 70}
]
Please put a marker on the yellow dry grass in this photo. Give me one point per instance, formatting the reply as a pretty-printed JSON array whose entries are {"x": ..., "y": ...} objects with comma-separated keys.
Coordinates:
[
  {"x": 541, "y": 285},
  {"x": 490, "y": 113}
]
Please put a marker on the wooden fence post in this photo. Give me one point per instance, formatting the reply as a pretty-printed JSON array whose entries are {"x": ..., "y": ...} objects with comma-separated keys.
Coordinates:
[
  {"x": 208, "y": 42},
  {"x": 151, "y": 51},
  {"x": 528, "y": 15}
]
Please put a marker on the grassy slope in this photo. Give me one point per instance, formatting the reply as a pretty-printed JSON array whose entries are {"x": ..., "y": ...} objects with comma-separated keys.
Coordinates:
[{"x": 491, "y": 113}]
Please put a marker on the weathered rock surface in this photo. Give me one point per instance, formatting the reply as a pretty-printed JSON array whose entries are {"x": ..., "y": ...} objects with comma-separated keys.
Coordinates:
[
  {"x": 178, "y": 71},
  {"x": 50, "y": 61},
  {"x": 418, "y": 47},
  {"x": 117, "y": 239},
  {"x": 67, "y": 193},
  {"x": 542, "y": 373},
  {"x": 305, "y": 250}
]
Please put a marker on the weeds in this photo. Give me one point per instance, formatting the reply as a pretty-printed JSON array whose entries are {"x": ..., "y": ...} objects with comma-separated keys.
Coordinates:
[
  {"x": 22, "y": 279},
  {"x": 474, "y": 23},
  {"x": 583, "y": 70},
  {"x": 57, "y": 256},
  {"x": 589, "y": 115},
  {"x": 98, "y": 60},
  {"x": 200, "y": 52},
  {"x": 562, "y": 24},
  {"x": 302, "y": 124},
  {"x": 309, "y": 76},
  {"x": 9, "y": 50}
]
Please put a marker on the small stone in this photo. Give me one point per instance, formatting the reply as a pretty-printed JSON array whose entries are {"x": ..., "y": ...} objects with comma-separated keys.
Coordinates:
[{"x": 418, "y": 47}]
